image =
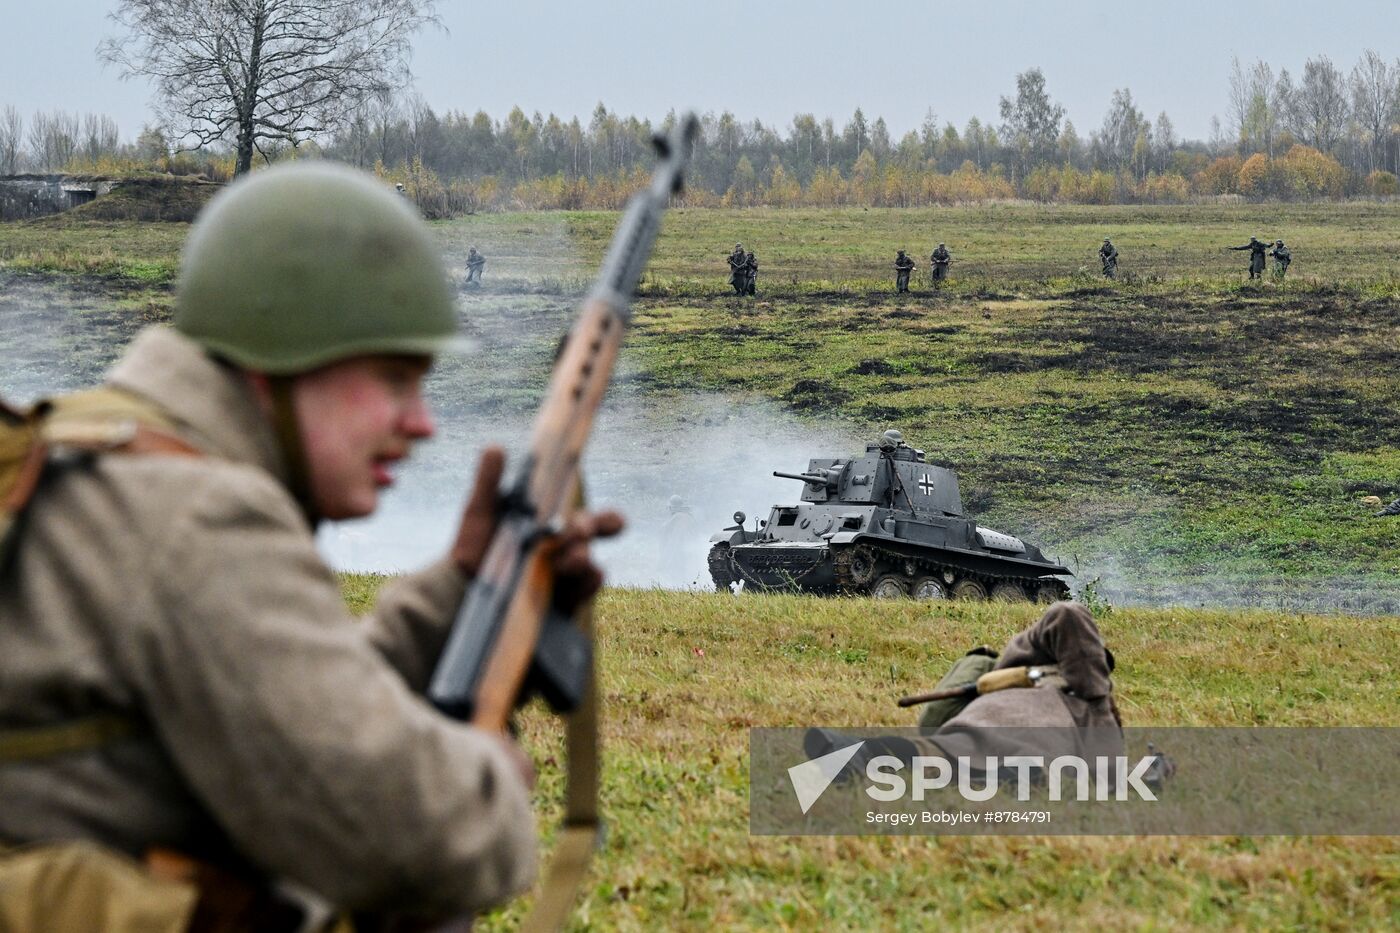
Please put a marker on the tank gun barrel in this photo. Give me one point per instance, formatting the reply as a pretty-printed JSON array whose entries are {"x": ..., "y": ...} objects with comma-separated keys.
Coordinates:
[{"x": 805, "y": 477}]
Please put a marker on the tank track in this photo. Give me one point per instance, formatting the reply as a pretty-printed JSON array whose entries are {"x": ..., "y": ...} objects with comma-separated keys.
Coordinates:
[
  {"x": 721, "y": 567},
  {"x": 859, "y": 567}
]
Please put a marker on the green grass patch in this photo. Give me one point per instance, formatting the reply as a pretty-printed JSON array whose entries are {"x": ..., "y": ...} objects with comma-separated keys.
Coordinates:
[
  {"x": 1180, "y": 433},
  {"x": 684, "y": 676}
]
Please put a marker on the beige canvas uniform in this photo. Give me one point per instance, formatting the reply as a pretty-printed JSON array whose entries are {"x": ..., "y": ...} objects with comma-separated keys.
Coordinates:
[
  {"x": 187, "y": 593},
  {"x": 1072, "y": 714}
]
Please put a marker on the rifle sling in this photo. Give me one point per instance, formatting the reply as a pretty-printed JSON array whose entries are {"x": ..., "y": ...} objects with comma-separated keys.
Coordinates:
[{"x": 580, "y": 833}]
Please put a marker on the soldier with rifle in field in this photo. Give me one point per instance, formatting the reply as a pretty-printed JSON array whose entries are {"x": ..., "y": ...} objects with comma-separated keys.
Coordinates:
[
  {"x": 939, "y": 260},
  {"x": 1256, "y": 249},
  {"x": 1108, "y": 258},
  {"x": 1052, "y": 680},
  {"x": 476, "y": 263},
  {"x": 1282, "y": 258},
  {"x": 903, "y": 265},
  {"x": 750, "y": 274},
  {"x": 195, "y": 728},
  {"x": 738, "y": 273}
]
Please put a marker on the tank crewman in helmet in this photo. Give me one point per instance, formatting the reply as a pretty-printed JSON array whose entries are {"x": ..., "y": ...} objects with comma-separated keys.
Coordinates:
[
  {"x": 903, "y": 265},
  {"x": 178, "y": 594},
  {"x": 1108, "y": 258}
]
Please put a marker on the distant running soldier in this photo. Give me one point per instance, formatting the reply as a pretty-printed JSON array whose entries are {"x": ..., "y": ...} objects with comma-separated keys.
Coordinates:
[
  {"x": 903, "y": 265},
  {"x": 750, "y": 274},
  {"x": 1108, "y": 257},
  {"x": 939, "y": 260},
  {"x": 1256, "y": 249},
  {"x": 738, "y": 273},
  {"x": 475, "y": 263},
  {"x": 1282, "y": 257},
  {"x": 679, "y": 527}
]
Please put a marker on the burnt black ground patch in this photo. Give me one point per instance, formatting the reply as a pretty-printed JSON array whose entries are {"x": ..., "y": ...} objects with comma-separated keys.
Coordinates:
[
  {"x": 813, "y": 394},
  {"x": 872, "y": 367}
]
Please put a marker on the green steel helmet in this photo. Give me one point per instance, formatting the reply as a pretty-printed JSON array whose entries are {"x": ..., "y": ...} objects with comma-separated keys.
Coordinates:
[{"x": 310, "y": 263}]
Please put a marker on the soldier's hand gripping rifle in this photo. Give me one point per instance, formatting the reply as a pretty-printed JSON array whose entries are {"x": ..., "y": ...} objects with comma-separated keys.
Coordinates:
[{"x": 507, "y": 641}]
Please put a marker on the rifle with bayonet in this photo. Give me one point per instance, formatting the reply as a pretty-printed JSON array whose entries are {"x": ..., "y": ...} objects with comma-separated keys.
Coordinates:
[{"x": 508, "y": 642}]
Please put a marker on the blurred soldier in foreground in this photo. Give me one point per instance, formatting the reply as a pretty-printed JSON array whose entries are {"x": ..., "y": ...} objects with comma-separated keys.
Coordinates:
[
  {"x": 938, "y": 263},
  {"x": 476, "y": 263},
  {"x": 750, "y": 274},
  {"x": 1068, "y": 711},
  {"x": 903, "y": 265},
  {"x": 1256, "y": 249},
  {"x": 1108, "y": 258},
  {"x": 1282, "y": 257},
  {"x": 181, "y": 673},
  {"x": 738, "y": 270}
]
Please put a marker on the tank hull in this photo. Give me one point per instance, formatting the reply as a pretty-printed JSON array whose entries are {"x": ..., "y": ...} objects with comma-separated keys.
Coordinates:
[{"x": 887, "y": 524}]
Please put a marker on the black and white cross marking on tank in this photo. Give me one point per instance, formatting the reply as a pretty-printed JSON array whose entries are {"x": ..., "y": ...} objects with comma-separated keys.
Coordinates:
[{"x": 926, "y": 484}]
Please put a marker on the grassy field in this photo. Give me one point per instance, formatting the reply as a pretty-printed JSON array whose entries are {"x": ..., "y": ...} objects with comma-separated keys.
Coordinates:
[
  {"x": 1181, "y": 434},
  {"x": 684, "y": 676},
  {"x": 1194, "y": 438}
]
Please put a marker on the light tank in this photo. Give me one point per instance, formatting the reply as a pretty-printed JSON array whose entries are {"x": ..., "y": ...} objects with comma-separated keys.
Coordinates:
[{"x": 887, "y": 524}]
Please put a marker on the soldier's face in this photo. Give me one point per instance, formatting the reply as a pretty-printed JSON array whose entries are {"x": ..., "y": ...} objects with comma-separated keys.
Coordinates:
[{"x": 358, "y": 419}]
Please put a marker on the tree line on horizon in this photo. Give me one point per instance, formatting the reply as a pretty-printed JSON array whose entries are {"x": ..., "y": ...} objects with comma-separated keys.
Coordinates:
[{"x": 1323, "y": 135}]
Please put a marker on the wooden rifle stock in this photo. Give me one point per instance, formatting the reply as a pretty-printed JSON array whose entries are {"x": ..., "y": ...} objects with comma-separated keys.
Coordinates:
[
  {"x": 505, "y": 641},
  {"x": 508, "y": 641}
]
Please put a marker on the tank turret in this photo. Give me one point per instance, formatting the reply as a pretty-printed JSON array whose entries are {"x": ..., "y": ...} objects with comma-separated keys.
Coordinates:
[{"x": 887, "y": 523}]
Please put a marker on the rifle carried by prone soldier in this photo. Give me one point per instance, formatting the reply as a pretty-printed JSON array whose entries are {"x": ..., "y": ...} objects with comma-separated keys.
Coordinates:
[{"x": 990, "y": 682}]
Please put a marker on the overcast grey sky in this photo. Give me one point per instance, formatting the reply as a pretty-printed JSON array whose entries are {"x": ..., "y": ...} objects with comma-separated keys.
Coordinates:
[{"x": 771, "y": 59}]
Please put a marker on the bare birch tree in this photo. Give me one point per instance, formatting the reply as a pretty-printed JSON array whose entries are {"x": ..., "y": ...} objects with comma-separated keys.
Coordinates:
[
  {"x": 11, "y": 139},
  {"x": 1375, "y": 93},
  {"x": 264, "y": 70},
  {"x": 1318, "y": 108},
  {"x": 53, "y": 139}
]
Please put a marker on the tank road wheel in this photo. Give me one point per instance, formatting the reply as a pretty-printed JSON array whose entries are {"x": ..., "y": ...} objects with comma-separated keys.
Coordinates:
[
  {"x": 1009, "y": 591},
  {"x": 889, "y": 586},
  {"x": 928, "y": 588},
  {"x": 862, "y": 565},
  {"x": 969, "y": 590},
  {"x": 1050, "y": 591}
]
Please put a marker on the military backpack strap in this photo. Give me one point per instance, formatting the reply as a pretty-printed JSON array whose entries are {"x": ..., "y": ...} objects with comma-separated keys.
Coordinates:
[
  {"x": 34, "y": 743},
  {"x": 101, "y": 420}
]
